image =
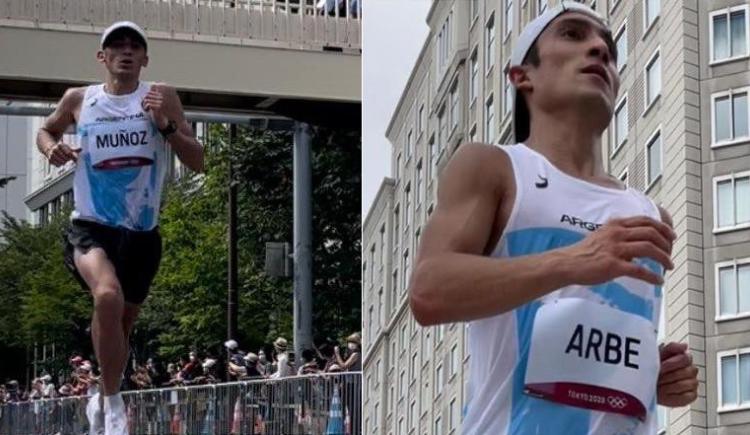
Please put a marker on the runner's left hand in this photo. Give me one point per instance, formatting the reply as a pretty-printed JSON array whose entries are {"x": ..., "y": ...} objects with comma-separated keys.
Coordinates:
[
  {"x": 678, "y": 376},
  {"x": 156, "y": 103}
]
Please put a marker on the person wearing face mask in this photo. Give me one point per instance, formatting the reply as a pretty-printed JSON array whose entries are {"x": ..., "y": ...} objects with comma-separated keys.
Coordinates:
[
  {"x": 127, "y": 130},
  {"x": 353, "y": 360}
]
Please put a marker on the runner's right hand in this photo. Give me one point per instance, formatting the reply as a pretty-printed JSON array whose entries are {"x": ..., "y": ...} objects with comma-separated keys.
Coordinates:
[
  {"x": 607, "y": 253},
  {"x": 62, "y": 153}
]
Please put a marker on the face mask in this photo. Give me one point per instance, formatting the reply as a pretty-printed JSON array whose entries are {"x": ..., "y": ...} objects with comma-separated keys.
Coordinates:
[{"x": 352, "y": 347}]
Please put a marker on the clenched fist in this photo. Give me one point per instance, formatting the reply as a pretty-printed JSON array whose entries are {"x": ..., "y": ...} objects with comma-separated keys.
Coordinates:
[{"x": 62, "y": 153}]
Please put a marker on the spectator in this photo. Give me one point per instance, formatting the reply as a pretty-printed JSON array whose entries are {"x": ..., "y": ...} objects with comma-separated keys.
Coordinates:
[
  {"x": 353, "y": 361},
  {"x": 283, "y": 366},
  {"x": 236, "y": 367},
  {"x": 141, "y": 378},
  {"x": 308, "y": 365},
  {"x": 264, "y": 366},
  {"x": 253, "y": 366}
]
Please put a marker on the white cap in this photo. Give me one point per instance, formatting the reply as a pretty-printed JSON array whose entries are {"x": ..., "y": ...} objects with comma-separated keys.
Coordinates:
[
  {"x": 124, "y": 25},
  {"x": 230, "y": 344},
  {"x": 529, "y": 35}
]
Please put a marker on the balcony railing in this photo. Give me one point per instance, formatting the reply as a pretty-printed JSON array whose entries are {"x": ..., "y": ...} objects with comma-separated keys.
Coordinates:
[
  {"x": 313, "y": 404},
  {"x": 300, "y": 24}
]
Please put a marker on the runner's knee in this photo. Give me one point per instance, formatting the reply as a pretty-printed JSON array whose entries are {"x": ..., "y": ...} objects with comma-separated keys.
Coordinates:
[{"x": 108, "y": 298}]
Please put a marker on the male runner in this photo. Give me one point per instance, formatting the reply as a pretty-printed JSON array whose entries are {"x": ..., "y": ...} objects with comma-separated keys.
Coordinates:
[
  {"x": 556, "y": 266},
  {"x": 125, "y": 128}
]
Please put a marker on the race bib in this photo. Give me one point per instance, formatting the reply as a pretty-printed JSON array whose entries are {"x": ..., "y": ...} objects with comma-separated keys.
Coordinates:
[
  {"x": 122, "y": 144},
  {"x": 593, "y": 356}
]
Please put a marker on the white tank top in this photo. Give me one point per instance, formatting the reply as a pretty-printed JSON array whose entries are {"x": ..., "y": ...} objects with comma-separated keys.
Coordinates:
[
  {"x": 120, "y": 171},
  {"x": 552, "y": 210}
]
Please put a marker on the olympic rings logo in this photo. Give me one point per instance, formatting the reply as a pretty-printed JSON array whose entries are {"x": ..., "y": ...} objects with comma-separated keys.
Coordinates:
[{"x": 617, "y": 402}]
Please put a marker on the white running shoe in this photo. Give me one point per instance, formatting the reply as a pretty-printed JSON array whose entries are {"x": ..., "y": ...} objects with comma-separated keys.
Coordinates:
[
  {"x": 95, "y": 415},
  {"x": 115, "y": 417}
]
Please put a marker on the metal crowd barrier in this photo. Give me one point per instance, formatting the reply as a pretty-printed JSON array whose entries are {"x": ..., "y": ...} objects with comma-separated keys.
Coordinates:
[{"x": 328, "y": 404}]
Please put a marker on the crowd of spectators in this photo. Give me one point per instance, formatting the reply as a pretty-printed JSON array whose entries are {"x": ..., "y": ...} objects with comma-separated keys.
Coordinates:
[{"x": 195, "y": 369}]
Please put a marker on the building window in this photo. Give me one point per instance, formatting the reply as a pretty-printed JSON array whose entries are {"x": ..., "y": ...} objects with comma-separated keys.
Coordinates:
[
  {"x": 508, "y": 90},
  {"x": 419, "y": 184},
  {"x": 474, "y": 8},
  {"x": 729, "y": 33},
  {"x": 653, "y": 158},
  {"x": 473, "y": 133},
  {"x": 730, "y": 117},
  {"x": 413, "y": 414},
  {"x": 624, "y": 177},
  {"x": 416, "y": 237},
  {"x": 732, "y": 209},
  {"x": 407, "y": 206},
  {"x": 444, "y": 43},
  {"x": 433, "y": 157},
  {"x": 473, "y": 77},
  {"x": 397, "y": 168},
  {"x": 396, "y": 226},
  {"x": 372, "y": 262},
  {"x": 393, "y": 361},
  {"x": 420, "y": 120},
  {"x": 364, "y": 273},
  {"x": 439, "y": 332},
  {"x": 407, "y": 270},
  {"x": 427, "y": 345},
  {"x": 541, "y": 6},
  {"x": 489, "y": 120},
  {"x": 442, "y": 129},
  {"x": 452, "y": 420},
  {"x": 508, "y": 17},
  {"x": 394, "y": 290},
  {"x": 370, "y": 327},
  {"x": 403, "y": 337},
  {"x": 453, "y": 360},
  {"x": 438, "y": 379},
  {"x": 620, "y": 128},
  {"x": 454, "y": 105},
  {"x": 733, "y": 288},
  {"x": 734, "y": 379},
  {"x": 409, "y": 145},
  {"x": 382, "y": 246},
  {"x": 651, "y": 10},
  {"x": 413, "y": 366},
  {"x": 438, "y": 425},
  {"x": 380, "y": 308},
  {"x": 489, "y": 43},
  {"x": 621, "y": 41},
  {"x": 653, "y": 79}
]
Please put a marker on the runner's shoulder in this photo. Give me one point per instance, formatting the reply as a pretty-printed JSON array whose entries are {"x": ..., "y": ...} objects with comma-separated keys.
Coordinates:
[
  {"x": 479, "y": 166},
  {"x": 72, "y": 98}
]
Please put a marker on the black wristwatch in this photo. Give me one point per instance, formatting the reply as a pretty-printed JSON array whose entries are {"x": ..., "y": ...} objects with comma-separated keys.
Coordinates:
[{"x": 169, "y": 129}]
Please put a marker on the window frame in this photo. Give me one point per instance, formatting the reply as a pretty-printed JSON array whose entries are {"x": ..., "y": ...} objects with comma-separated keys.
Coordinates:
[
  {"x": 622, "y": 30},
  {"x": 621, "y": 103},
  {"x": 489, "y": 54},
  {"x": 735, "y": 263},
  {"x": 647, "y": 173},
  {"x": 730, "y": 93},
  {"x": 647, "y": 104},
  {"x": 720, "y": 407},
  {"x": 712, "y": 61},
  {"x": 647, "y": 25},
  {"x": 716, "y": 181}
]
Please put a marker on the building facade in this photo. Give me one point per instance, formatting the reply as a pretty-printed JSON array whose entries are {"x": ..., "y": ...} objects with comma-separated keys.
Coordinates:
[{"x": 679, "y": 133}]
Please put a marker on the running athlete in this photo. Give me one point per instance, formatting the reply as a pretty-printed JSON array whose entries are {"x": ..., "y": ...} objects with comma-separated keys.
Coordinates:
[
  {"x": 126, "y": 129},
  {"x": 556, "y": 266}
]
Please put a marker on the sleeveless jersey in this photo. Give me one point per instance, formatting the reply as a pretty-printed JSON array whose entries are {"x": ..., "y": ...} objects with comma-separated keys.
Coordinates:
[
  {"x": 552, "y": 210},
  {"x": 123, "y": 160}
]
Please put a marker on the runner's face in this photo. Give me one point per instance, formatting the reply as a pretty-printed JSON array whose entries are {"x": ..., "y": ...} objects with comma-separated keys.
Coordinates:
[
  {"x": 578, "y": 63},
  {"x": 124, "y": 56}
]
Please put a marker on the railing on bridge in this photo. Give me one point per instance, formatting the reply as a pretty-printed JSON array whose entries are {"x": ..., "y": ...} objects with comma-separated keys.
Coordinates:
[
  {"x": 303, "y": 24},
  {"x": 313, "y": 404}
]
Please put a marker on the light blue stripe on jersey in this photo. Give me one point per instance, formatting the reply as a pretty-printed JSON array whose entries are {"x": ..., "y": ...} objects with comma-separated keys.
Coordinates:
[{"x": 530, "y": 415}]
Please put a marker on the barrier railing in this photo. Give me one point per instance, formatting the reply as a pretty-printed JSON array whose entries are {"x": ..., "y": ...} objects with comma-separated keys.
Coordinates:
[
  {"x": 303, "y": 24},
  {"x": 313, "y": 404}
]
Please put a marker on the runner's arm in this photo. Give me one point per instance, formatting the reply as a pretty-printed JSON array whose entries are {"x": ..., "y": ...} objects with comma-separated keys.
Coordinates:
[
  {"x": 183, "y": 141},
  {"x": 61, "y": 118},
  {"x": 452, "y": 279}
]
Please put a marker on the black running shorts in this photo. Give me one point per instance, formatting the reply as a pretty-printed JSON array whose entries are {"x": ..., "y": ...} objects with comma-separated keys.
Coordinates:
[{"x": 134, "y": 254}]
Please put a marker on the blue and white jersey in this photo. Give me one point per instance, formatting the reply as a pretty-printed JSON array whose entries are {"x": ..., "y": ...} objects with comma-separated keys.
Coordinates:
[
  {"x": 120, "y": 172},
  {"x": 603, "y": 334}
]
